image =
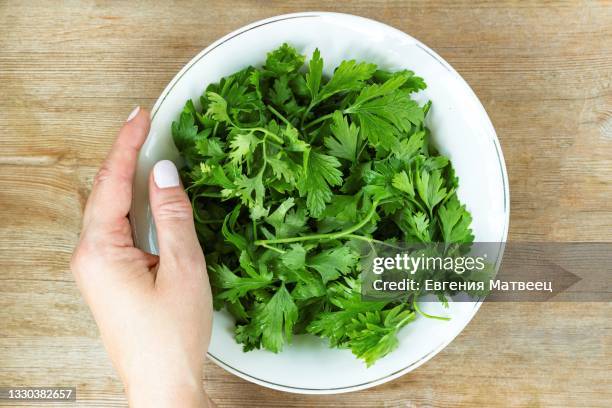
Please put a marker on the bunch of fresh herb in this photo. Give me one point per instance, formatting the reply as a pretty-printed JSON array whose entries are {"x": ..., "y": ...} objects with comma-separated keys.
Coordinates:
[{"x": 287, "y": 169}]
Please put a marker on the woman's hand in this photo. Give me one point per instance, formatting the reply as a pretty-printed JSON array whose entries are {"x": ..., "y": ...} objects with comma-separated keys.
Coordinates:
[{"x": 154, "y": 313}]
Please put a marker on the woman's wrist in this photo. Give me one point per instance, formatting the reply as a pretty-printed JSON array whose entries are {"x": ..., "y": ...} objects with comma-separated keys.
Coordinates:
[{"x": 185, "y": 393}]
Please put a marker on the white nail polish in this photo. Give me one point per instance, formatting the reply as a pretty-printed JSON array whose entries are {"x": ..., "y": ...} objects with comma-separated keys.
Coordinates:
[
  {"x": 133, "y": 114},
  {"x": 165, "y": 174}
]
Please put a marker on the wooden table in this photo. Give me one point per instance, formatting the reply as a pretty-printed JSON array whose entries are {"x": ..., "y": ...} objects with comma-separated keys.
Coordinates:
[{"x": 71, "y": 71}]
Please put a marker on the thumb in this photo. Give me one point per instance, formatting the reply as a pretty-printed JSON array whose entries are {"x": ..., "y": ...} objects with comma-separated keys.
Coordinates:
[{"x": 173, "y": 215}]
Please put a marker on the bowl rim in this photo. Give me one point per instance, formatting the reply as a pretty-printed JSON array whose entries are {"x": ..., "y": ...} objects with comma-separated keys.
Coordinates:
[{"x": 486, "y": 122}]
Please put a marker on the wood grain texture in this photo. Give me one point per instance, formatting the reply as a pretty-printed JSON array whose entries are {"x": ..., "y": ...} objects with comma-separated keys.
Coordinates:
[{"x": 71, "y": 71}]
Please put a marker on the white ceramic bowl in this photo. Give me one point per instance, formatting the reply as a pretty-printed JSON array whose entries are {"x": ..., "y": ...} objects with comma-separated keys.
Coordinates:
[{"x": 461, "y": 130}]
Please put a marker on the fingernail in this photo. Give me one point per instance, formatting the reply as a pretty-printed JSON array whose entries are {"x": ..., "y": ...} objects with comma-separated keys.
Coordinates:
[
  {"x": 133, "y": 114},
  {"x": 165, "y": 174}
]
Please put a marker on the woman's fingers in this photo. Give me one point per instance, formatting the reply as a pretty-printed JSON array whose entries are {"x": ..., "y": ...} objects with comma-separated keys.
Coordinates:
[
  {"x": 111, "y": 195},
  {"x": 173, "y": 216}
]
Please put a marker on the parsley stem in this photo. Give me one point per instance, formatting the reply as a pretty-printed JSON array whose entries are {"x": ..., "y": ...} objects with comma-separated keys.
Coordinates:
[
  {"x": 318, "y": 120},
  {"x": 429, "y": 316},
  {"x": 258, "y": 129},
  {"x": 367, "y": 239},
  {"x": 365, "y": 143},
  {"x": 328, "y": 236},
  {"x": 275, "y": 249},
  {"x": 372, "y": 241},
  {"x": 307, "y": 111},
  {"x": 213, "y": 195},
  {"x": 405, "y": 320},
  {"x": 279, "y": 115},
  {"x": 267, "y": 133}
]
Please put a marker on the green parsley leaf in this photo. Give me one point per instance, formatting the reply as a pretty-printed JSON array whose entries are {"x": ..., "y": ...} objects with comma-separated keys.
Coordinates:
[
  {"x": 315, "y": 73},
  {"x": 277, "y": 319},
  {"x": 284, "y": 60},
  {"x": 455, "y": 220},
  {"x": 295, "y": 258},
  {"x": 332, "y": 263},
  {"x": 236, "y": 286},
  {"x": 349, "y": 76},
  {"x": 321, "y": 173},
  {"x": 430, "y": 187},
  {"x": 242, "y": 145},
  {"x": 403, "y": 182},
  {"x": 345, "y": 140},
  {"x": 384, "y": 118},
  {"x": 373, "y": 335}
]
